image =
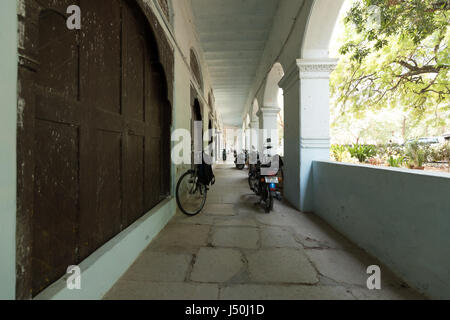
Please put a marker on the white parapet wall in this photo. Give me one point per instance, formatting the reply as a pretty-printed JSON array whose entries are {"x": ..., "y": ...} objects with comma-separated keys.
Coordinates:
[
  {"x": 400, "y": 216},
  {"x": 103, "y": 268}
]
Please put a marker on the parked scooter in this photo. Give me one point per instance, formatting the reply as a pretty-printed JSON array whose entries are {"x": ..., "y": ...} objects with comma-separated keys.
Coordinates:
[
  {"x": 263, "y": 178},
  {"x": 241, "y": 160}
]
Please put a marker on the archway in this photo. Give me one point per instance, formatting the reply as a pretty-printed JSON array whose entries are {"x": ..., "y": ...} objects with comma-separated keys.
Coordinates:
[
  {"x": 269, "y": 114},
  {"x": 319, "y": 29},
  {"x": 272, "y": 88},
  {"x": 167, "y": 10},
  {"x": 95, "y": 137},
  {"x": 196, "y": 69}
]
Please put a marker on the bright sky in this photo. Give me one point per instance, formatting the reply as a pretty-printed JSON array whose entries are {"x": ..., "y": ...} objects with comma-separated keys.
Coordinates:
[{"x": 335, "y": 42}]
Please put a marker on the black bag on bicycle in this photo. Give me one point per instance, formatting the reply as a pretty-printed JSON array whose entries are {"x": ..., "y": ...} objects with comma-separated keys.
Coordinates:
[{"x": 205, "y": 173}]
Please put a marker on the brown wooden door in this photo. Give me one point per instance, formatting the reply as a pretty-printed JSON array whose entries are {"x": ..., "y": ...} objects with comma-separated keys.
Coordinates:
[
  {"x": 100, "y": 133},
  {"x": 57, "y": 132}
]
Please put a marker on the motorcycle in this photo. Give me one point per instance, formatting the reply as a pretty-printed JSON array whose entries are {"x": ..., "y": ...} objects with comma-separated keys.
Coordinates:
[
  {"x": 241, "y": 159},
  {"x": 263, "y": 179}
]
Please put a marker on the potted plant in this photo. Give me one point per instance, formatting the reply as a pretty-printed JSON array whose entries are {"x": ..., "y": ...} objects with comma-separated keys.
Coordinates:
[{"x": 416, "y": 155}]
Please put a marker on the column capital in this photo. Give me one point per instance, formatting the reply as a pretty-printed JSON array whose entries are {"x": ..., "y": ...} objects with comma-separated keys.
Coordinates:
[
  {"x": 316, "y": 68},
  {"x": 307, "y": 69},
  {"x": 268, "y": 111}
]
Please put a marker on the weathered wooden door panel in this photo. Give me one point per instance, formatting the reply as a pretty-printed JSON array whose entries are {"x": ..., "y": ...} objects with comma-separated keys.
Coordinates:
[
  {"x": 56, "y": 201},
  {"x": 134, "y": 80},
  {"x": 101, "y": 158},
  {"x": 134, "y": 65},
  {"x": 134, "y": 179},
  {"x": 56, "y": 163},
  {"x": 101, "y": 49},
  {"x": 166, "y": 123},
  {"x": 99, "y": 133},
  {"x": 108, "y": 196},
  {"x": 59, "y": 56}
]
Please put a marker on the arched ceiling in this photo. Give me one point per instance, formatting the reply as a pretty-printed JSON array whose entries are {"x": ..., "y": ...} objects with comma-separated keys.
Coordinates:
[{"x": 233, "y": 35}]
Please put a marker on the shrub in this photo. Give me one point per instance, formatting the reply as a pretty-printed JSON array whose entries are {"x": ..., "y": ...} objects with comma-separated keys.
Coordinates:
[
  {"x": 362, "y": 152},
  {"x": 440, "y": 153},
  {"x": 339, "y": 152},
  {"x": 417, "y": 154},
  {"x": 385, "y": 151},
  {"x": 396, "y": 162}
]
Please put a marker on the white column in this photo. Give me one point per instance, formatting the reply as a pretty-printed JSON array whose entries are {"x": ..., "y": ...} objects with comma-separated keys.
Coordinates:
[
  {"x": 247, "y": 138},
  {"x": 268, "y": 121},
  {"x": 218, "y": 147},
  {"x": 254, "y": 127},
  {"x": 307, "y": 126}
]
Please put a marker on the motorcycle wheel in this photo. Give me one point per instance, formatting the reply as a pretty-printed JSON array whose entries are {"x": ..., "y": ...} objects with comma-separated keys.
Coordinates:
[
  {"x": 253, "y": 184},
  {"x": 250, "y": 184},
  {"x": 240, "y": 166},
  {"x": 269, "y": 202}
]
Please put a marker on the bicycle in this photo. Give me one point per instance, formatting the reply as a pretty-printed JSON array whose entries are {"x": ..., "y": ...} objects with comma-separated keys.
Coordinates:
[{"x": 192, "y": 189}]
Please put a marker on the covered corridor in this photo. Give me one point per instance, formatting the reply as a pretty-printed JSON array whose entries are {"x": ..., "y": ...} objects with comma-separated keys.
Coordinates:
[
  {"x": 233, "y": 250},
  {"x": 97, "y": 125}
]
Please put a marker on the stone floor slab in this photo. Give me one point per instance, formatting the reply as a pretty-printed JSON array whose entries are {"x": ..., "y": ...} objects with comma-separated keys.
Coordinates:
[
  {"x": 216, "y": 265},
  {"x": 275, "y": 219},
  {"x": 235, "y": 237},
  {"x": 313, "y": 233},
  {"x": 200, "y": 219},
  {"x": 281, "y": 266},
  {"x": 182, "y": 235},
  {"x": 234, "y": 197},
  {"x": 219, "y": 210},
  {"x": 160, "y": 266},
  {"x": 138, "y": 290},
  {"x": 342, "y": 266},
  {"x": 214, "y": 199},
  {"x": 276, "y": 237},
  {"x": 272, "y": 292},
  {"x": 386, "y": 293},
  {"x": 240, "y": 221}
]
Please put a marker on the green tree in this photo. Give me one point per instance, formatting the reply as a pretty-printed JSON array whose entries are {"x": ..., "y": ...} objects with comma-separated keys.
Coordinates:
[{"x": 402, "y": 61}]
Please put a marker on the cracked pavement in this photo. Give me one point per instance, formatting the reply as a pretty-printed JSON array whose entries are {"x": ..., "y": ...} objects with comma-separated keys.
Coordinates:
[{"x": 233, "y": 250}]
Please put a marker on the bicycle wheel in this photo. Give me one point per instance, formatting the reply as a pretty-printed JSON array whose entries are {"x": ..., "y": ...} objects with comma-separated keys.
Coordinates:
[{"x": 190, "y": 194}]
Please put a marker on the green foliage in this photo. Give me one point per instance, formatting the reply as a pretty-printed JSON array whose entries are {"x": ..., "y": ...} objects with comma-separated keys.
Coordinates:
[
  {"x": 362, "y": 152},
  {"x": 417, "y": 153},
  {"x": 414, "y": 154},
  {"x": 390, "y": 150},
  {"x": 339, "y": 152},
  {"x": 403, "y": 62},
  {"x": 440, "y": 152},
  {"x": 396, "y": 162}
]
